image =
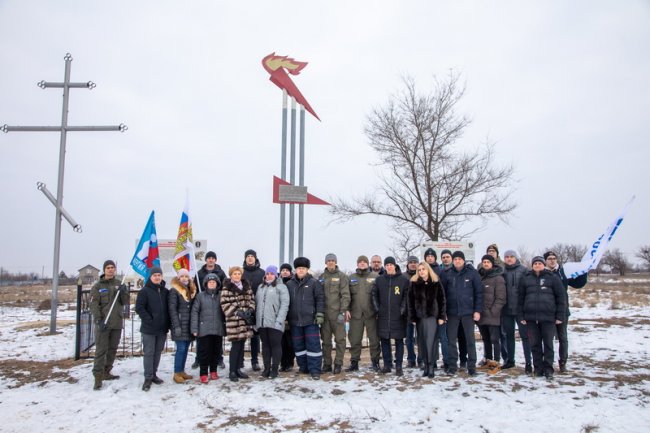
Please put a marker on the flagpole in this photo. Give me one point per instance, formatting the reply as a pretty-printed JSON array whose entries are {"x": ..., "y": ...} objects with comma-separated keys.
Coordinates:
[
  {"x": 301, "y": 181},
  {"x": 292, "y": 178},
  {"x": 283, "y": 172}
]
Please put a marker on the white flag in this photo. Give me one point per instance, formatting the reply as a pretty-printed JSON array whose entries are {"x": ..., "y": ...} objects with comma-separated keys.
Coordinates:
[{"x": 597, "y": 249}]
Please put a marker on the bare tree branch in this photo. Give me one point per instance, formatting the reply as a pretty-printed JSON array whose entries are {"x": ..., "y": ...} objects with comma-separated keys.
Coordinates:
[{"x": 427, "y": 187}]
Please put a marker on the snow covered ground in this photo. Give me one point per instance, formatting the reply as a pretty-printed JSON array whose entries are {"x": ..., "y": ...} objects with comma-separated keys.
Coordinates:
[{"x": 606, "y": 390}]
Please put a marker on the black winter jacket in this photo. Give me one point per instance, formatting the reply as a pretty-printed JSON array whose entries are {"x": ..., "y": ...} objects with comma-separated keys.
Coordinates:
[
  {"x": 512, "y": 274},
  {"x": 426, "y": 299},
  {"x": 254, "y": 274},
  {"x": 306, "y": 299},
  {"x": 389, "y": 297},
  {"x": 464, "y": 291},
  {"x": 541, "y": 298},
  {"x": 180, "y": 307},
  {"x": 152, "y": 306}
]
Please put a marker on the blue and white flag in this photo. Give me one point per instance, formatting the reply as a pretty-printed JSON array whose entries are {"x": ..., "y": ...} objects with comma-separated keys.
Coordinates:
[
  {"x": 597, "y": 249},
  {"x": 146, "y": 254}
]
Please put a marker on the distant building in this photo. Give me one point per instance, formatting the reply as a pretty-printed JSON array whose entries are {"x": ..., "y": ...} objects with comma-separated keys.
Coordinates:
[{"x": 88, "y": 274}]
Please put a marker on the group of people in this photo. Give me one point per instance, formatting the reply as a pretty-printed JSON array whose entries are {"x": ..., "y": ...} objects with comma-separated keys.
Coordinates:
[{"x": 433, "y": 306}]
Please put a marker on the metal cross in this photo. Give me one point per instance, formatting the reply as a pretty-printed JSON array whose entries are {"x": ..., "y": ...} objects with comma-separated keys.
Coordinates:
[{"x": 66, "y": 85}]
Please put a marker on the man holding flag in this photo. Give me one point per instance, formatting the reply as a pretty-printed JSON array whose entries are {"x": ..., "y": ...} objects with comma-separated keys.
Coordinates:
[{"x": 575, "y": 275}]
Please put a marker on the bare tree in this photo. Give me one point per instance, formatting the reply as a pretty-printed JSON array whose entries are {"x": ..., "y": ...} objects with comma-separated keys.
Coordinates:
[
  {"x": 568, "y": 252},
  {"x": 643, "y": 253},
  {"x": 616, "y": 260},
  {"x": 429, "y": 188}
]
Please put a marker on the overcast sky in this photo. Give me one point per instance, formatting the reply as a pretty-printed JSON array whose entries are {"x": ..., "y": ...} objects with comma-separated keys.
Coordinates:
[{"x": 560, "y": 87}]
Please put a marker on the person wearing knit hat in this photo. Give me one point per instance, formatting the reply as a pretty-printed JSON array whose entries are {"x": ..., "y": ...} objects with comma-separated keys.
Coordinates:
[
  {"x": 464, "y": 294},
  {"x": 306, "y": 313},
  {"x": 108, "y": 322},
  {"x": 551, "y": 258},
  {"x": 431, "y": 258},
  {"x": 207, "y": 325},
  {"x": 210, "y": 266},
  {"x": 181, "y": 298},
  {"x": 336, "y": 286},
  {"x": 362, "y": 315},
  {"x": 152, "y": 306},
  {"x": 389, "y": 300},
  {"x": 255, "y": 276},
  {"x": 494, "y": 298},
  {"x": 513, "y": 272},
  {"x": 271, "y": 308},
  {"x": 288, "y": 356},
  {"x": 541, "y": 306}
]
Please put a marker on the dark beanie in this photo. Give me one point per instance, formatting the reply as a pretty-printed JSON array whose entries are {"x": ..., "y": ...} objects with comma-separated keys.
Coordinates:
[
  {"x": 389, "y": 260},
  {"x": 363, "y": 258},
  {"x": 301, "y": 262},
  {"x": 430, "y": 252},
  {"x": 155, "y": 270},
  {"x": 107, "y": 263},
  {"x": 488, "y": 257},
  {"x": 537, "y": 259},
  {"x": 549, "y": 253},
  {"x": 493, "y": 246},
  {"x": 211, "y": 254},
  {"x": 458, "y": 254},
  {"x": 443, "y": 252},
  {"x": 250, "y": 253},
  {"x": 286, "y": 266}
]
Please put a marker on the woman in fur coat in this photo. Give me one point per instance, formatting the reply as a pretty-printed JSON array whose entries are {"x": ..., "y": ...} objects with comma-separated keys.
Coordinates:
[{"x": 426, "y": 309}]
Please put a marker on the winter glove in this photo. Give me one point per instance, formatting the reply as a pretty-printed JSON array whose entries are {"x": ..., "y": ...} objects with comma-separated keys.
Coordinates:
[
  {"x": 103, "y": 327},
  {"x": 320, "y": 318},
  {"x": 340, "y": 318}
]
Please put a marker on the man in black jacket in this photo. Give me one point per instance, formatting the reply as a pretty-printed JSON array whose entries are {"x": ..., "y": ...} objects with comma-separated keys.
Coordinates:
[
  {"x": 513, "y": 272},
  {"x": 561, "y": 330},
  {"x": 464, "y": 292},
  {"x": 255, "y": 276},
  {"x": 286, "y": 363},
  {"x": 541, "y": 306},
  {"x": 306, "y": 314},
  {"x": 152, "y": 307},
  {"x": 389, "y": 299}
]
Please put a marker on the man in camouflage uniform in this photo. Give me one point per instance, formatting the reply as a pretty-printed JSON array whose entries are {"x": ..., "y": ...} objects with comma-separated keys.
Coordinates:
[
  {"x": 108, "y": 329},
  {"x": 362, "y": 315},
  {"x": 337, "y": 305}
]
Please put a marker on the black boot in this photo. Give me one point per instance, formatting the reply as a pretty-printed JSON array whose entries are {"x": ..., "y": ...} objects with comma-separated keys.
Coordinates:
[
  {"x": 256, "y": 366},
  {"x": 432, "y": 370},
  {"x": 398, "y": 370},
  {"x": 98, "y": 381},
  {"x": 375, "y": 366},
  {"x": 354, "y": 366},
  {"x": 274, "y": 372},
  {"x": 240, "y": 374},
  {"x": 146, "y": 386},
  {"x": 337, "y": 368},
  {"x": 563, "y": 367},
  {"x": 267, "y": 372},
  {"x": 233, "y": 376},
  {"x": 425, "y": 370}
]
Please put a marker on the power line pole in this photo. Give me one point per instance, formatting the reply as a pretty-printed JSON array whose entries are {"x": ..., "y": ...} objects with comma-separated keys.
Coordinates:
[{"x": 66, "y": 85}]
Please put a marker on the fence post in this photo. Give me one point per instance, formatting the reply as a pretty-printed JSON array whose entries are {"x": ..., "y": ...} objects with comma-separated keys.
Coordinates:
[{"x": 77, "y": 346}]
